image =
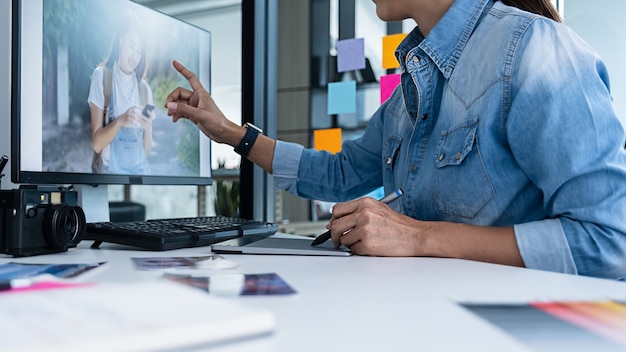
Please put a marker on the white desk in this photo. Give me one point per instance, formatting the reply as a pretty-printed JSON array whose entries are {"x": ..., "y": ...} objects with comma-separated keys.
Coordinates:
[{"x": 369, "y": 304}]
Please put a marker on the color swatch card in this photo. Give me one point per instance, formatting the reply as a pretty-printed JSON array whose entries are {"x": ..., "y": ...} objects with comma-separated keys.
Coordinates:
[{"x": 565, "y": 325}]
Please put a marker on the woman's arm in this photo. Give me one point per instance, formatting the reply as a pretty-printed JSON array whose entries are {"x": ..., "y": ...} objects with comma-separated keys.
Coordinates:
[
  {"x": 103, "y": 135},
  {"x": 100, "y": 135}
]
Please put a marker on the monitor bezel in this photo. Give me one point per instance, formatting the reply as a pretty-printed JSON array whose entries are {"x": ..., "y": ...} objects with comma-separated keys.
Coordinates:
[{"x": 21, "y": 177}]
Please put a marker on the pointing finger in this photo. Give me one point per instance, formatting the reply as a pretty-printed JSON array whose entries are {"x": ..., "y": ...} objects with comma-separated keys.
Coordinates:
[{"x": 190, "y": 76}]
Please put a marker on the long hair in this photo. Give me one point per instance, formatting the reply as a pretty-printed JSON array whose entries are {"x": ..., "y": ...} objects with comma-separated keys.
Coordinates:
[
  {"x": 540, "y": 7},
  {"x": 127, "y": 24}
]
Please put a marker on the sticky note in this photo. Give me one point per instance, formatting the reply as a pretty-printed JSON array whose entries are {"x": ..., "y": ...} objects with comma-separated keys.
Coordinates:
[
  {"x": 390, "y": 43},
  {"x": 341, "y": 97},
  {"x": 350, "y": 54},
  {"x": 328, "y": 139},
  {"x": 387, "y": 84}
]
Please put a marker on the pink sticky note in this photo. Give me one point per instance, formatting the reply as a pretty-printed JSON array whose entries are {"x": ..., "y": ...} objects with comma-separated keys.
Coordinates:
[{"x": 387, "y": 84}]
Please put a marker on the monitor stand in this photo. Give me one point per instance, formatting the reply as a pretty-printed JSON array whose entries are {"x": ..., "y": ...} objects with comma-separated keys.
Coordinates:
[{"x": 95, "y": 202}]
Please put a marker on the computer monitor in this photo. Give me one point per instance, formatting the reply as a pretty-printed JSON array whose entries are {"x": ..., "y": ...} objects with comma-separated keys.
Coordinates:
[{"x": 82, "y": 75}]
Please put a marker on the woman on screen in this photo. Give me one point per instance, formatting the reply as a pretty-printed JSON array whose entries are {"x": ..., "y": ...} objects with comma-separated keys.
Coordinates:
[
  {"x": 502, "y": 135},
  {"x": 120, "y": 102}
]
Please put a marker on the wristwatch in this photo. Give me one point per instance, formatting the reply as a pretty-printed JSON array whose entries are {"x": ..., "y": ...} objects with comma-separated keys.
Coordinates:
[{"x": 252, "y": 132}]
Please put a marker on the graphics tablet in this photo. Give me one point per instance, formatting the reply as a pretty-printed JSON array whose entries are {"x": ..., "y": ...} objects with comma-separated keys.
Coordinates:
[{"x": 277, "y": 245}]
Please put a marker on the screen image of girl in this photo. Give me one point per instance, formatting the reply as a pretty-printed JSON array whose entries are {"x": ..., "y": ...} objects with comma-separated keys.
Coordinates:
[{"x": 120, "y": 101}]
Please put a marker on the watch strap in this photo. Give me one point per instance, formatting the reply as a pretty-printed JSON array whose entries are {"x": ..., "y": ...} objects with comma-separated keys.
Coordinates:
[{"x": 247, "y": 141}]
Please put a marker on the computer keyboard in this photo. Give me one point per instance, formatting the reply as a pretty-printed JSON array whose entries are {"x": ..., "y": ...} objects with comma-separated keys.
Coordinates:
[{"x": 165, "y": 234}]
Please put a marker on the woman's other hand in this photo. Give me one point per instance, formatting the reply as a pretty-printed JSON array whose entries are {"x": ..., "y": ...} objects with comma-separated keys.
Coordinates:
[{"x": 131, "y": 118}]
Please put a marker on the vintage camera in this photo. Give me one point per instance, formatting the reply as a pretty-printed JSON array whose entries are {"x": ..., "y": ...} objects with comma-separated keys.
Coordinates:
[{"x": 39, "y": 221}]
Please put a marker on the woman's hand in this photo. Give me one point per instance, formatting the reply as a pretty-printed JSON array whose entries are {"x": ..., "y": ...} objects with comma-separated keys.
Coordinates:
[
  {"x": 131, "y": 118},
  {"x": 371, "y": 227},
  {"x": 146, "y": 121},
  {"x": 198, "y": 106}
]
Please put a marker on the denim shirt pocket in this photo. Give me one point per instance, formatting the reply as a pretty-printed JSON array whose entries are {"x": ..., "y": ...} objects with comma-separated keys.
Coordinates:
[
  {"x": 391, "y": 152},
  {"x": 460, "y": 184}
]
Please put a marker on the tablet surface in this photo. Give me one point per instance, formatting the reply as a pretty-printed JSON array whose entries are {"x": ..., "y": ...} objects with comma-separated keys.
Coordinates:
[{"x": 277, "y": 245}]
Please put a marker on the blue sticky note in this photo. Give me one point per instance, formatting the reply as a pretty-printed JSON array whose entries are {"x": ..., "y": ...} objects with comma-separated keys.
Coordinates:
[
  {"x": 341, "y": 97},
  {"x": 350, "y": 54}
]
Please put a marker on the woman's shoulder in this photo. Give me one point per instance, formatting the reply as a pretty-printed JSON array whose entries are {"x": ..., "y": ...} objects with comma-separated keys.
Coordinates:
[{"x": 98, "y": 72}]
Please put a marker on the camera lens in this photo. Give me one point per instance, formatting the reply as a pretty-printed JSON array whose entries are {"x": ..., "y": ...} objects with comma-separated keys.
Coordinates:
[{"x": 64, "y": 225}]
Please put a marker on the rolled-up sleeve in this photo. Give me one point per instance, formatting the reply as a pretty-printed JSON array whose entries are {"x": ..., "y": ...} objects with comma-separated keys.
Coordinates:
[
  {"x": 285, "y": 165},
  {"x": 543, "y": 246}
]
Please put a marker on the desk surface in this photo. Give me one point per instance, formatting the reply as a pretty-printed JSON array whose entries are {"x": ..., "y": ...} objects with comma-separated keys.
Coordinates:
[{"x": 365, "y": 303}]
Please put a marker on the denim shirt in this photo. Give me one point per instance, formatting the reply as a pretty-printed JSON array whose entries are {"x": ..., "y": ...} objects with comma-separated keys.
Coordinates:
[{"x": 502, "y": 118}]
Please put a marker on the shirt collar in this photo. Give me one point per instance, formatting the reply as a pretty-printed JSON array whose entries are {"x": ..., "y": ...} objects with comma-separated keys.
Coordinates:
[{"x": 447, "y": 39}]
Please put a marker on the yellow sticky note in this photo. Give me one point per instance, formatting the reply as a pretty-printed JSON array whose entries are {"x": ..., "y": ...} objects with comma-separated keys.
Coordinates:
[
  {"x": 328, "y": 139},
  {"x": 390, "y": 43}
]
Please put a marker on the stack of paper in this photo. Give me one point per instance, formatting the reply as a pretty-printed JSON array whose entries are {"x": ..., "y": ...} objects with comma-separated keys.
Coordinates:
[{"x": 114, "y": 317}]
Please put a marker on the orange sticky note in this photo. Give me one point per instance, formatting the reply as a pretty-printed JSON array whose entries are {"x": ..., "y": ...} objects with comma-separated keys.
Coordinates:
[
  {"x": 390, "y": 43},
  {"x": 328, "y": 139}
]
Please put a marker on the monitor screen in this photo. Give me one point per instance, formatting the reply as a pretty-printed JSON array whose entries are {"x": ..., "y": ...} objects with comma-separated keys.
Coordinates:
[{"x": 89, "y": 83}]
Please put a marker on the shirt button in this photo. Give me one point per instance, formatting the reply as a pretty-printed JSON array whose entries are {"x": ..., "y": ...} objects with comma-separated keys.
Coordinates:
[
  {"x": 458, "y": 155},
  {"x": 424, "y": 117},
  {"x": 388, "y": 161},
  {"x": 413, "y": 168},
  {"x": 416, "y": 59},
  {"x": 441, "y": 156}
]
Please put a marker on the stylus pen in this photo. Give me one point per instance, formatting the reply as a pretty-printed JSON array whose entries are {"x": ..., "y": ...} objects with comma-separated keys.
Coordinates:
[{"x": 386, "y": 199}]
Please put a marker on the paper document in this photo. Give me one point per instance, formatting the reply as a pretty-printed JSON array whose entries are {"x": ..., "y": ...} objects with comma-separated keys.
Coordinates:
[{"x": 149, "y": 316}]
